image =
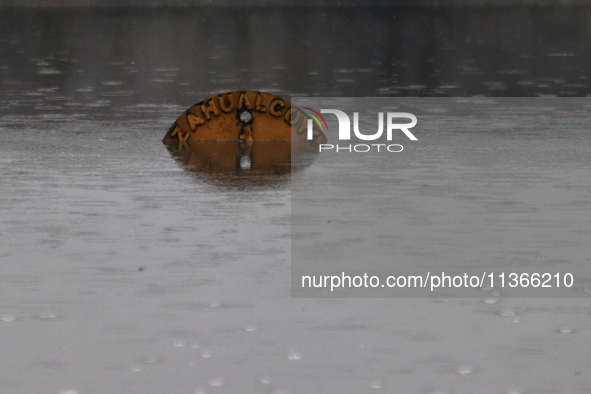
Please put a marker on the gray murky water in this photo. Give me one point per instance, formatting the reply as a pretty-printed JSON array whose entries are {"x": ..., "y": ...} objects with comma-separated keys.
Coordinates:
[
  {"x": 491, "y": 185},
  {"x": 122, "y": 272}
]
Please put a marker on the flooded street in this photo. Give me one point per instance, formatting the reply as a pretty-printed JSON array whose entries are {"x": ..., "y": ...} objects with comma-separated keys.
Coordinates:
[{"x": 124, "y": 270}]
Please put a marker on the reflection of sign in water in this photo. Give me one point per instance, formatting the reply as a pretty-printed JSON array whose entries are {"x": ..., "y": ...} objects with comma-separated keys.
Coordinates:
[
  {"x": 242, "y": 116},
  {"x": 236, "y": 163}
]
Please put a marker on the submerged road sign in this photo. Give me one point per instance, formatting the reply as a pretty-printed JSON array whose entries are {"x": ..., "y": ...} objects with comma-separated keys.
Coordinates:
[{"x": 242, "y": 116}]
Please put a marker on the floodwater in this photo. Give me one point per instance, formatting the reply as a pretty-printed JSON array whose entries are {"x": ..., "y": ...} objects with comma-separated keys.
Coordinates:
[
  {"x": 123, "y": 270},
  {"x": 491, "y": 185}
]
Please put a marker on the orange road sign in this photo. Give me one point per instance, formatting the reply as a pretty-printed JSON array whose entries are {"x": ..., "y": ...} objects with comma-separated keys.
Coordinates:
[{"x": 243, "y": 116}]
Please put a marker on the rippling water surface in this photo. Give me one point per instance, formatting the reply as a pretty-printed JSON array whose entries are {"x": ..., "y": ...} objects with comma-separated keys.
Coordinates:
[{"x": 123, "y": 271}]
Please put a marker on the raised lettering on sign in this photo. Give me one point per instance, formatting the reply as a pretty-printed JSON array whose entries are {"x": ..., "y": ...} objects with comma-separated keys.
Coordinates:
[
  {"x": 194, "y": 121},
  {"x": 179, "y": 132},
  {"x": 222, "y": 99},
  {"x": 257, "y": 104},
  {"x": 276, "y": 102},
  {"x": 243, "y": 101},
  {"x": 243, "y": 115},
  {"x": 207, "y": 110}
]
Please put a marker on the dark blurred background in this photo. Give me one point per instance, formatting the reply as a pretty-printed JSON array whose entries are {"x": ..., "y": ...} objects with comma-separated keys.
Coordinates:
[{"x": 106, "y": 55}]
